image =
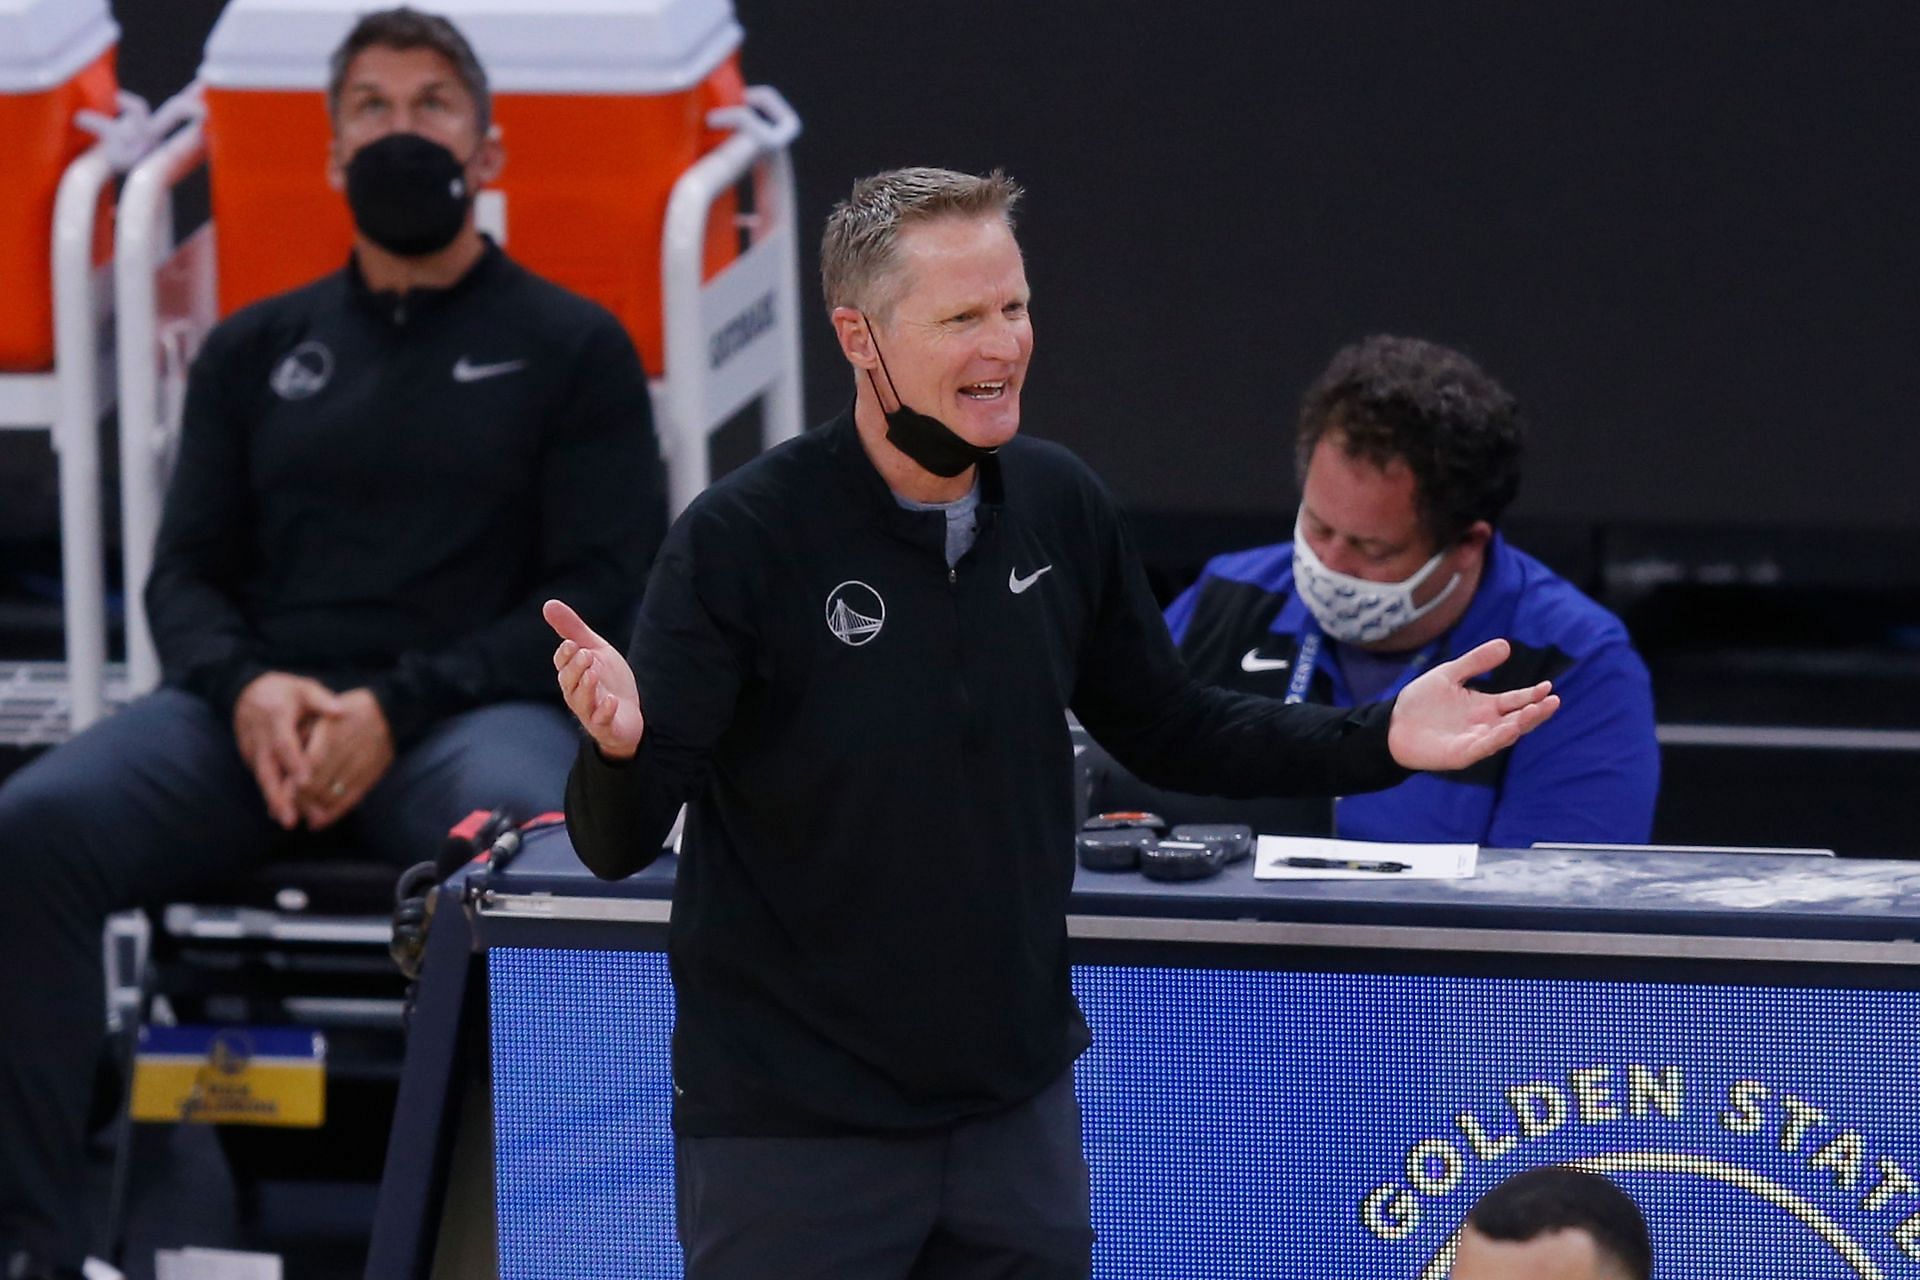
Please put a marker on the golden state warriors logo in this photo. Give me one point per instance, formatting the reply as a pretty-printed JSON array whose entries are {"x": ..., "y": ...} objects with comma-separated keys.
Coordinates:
[
  {"x": 855, "y": 613},
  {"x": 222, "y": 1088},
  {"x": 303, "y": 371},
  {"x": 1786, "y": 1164},
  {"x": 229, "y": 1053}
]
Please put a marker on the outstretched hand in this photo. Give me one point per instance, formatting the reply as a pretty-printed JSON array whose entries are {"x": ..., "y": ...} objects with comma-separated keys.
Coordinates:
[
  {"x": 597, "y": 684},
  {"x": 1440, "y": 725}
]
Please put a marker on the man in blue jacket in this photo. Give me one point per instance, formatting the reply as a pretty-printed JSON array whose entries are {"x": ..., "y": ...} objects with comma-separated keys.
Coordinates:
[{"x": 1408, "y": 454}]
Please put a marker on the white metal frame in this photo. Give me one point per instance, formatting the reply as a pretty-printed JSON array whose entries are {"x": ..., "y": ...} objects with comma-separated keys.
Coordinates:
[
  {"x": 735, "y": 338},
  {"x": 45, "y": 702},
  {"x": 165, "y": 300}
]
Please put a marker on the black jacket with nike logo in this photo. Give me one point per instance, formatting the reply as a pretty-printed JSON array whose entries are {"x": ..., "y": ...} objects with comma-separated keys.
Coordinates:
[
  {"x": 869, "y": 920},
  {"x": 381, "y": 491}
]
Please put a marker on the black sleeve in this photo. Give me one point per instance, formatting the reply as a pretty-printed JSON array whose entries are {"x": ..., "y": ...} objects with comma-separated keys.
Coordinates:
[
  {"x": 690, "y": 655},
  {"x": 206, "y": 546},
  {"x": 598, "y": 515},
  {"x": 1135, "y": 695}
]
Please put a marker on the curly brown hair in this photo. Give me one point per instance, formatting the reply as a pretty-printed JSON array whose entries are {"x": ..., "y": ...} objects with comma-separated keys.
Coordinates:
[{"x": 1460, "y": 432}]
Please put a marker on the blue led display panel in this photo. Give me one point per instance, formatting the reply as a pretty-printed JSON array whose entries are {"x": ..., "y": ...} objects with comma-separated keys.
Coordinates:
[
  {"x": 1246, "y": 1123},
  {"x": 582, "y": 1107}
]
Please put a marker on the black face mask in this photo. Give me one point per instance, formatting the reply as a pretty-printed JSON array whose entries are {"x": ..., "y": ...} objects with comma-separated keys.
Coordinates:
[
  {"x": 928, "y": 441},
  {"x": 408, "y": 194}
]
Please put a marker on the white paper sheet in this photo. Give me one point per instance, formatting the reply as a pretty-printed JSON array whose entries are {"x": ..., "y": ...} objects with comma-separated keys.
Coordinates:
[
  {"x": 215, "y": 1264},
  {"x": 1422, "y": 861}
]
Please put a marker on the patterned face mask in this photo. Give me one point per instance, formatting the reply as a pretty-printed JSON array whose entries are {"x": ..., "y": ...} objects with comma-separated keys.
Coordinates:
[{"x": 1353, "y": 610}]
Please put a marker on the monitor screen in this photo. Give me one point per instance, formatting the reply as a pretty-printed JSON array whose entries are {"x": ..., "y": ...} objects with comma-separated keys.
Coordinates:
[{"x": 1252, "y": 1122}]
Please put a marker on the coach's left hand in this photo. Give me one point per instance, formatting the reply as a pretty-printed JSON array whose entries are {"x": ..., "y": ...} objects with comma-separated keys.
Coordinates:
[{"x": 1440, "y": 725}]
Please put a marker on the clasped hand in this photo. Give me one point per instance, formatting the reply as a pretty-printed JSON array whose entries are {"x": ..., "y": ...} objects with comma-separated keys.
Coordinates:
[{"x": 314, "y": 753}]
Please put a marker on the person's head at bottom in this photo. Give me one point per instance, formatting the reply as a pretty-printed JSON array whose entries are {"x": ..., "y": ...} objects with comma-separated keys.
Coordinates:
[{"x": 1554, "y": 1223}]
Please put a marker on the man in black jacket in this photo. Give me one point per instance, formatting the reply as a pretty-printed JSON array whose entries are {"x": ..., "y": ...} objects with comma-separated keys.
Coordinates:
[
  {"x": 381, "y": 477},
  {"x": 855, "y": 660}
]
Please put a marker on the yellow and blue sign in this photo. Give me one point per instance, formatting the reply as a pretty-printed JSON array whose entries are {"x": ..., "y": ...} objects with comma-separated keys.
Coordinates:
[{"x": 231, "y": 1075}]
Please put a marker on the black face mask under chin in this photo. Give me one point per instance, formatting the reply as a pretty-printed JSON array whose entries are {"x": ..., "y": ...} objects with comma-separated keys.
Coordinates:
[
  {"x": 928, "y": 441},
  {"x": 408, "y": 194}
]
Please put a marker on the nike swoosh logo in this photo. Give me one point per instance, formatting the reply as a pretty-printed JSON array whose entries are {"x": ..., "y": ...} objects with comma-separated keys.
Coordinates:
[
  {"x": 465, "y": 370},
  {"x": 1252, "y": 661},
  {"x": 1017, "y": 584}
]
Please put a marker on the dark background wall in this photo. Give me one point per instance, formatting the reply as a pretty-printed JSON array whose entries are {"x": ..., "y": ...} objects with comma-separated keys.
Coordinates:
[{"x": 1683, "y": 234}]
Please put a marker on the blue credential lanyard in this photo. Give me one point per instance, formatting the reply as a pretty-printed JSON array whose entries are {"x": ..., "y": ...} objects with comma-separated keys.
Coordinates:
[{"x": 1303, "y": 666}]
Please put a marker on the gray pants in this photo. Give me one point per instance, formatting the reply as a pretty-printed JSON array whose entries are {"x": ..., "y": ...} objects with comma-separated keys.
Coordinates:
[
  {"x": 151, "y": 804},
  {"x": 1003, "y": 1197}
]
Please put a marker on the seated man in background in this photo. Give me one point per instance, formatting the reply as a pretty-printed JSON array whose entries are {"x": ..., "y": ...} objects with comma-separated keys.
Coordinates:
[
  {"x": 382, "y": 475},
  {"x": 1554, "y": 1223},
  {"x": 1407, "y": 456}
]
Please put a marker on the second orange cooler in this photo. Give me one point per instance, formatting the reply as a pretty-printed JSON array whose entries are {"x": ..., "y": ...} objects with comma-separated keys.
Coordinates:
[
  {"x": 601, "y": 105},
  {"x": 56, "y": 59}
]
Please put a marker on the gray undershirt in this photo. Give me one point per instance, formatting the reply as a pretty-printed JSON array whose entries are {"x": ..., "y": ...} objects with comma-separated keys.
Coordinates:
[
  {"x": 1369, "y": 675},
  {"x": 961, "y": 524}
]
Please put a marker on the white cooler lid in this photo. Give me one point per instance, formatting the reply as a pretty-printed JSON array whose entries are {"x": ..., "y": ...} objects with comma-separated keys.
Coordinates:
[
  {"x": 46, "y": 42},
  {"x": 639, "y": 47}
]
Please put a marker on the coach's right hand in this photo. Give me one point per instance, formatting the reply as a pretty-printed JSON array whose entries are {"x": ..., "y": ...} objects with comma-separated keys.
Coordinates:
[{"x": 597, "y": 684}]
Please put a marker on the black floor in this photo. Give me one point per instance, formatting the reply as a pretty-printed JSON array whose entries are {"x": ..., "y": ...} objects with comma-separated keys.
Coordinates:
[{"x": 183, "y": 1193}]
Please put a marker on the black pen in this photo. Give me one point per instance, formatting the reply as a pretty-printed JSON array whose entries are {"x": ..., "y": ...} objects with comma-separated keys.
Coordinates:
[{"x": 1347, "y": 864}]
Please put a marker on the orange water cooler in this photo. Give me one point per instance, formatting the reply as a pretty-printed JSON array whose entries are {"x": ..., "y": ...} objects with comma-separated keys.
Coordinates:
[
  {"x": 56, "y": 60},
  {"x": 601, "y": 105}
]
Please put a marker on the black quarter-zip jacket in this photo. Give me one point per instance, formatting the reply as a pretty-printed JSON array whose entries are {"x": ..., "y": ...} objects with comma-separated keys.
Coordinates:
[
  {"x": 869, "y": 918},
  {"x": 379, "y": 490}
]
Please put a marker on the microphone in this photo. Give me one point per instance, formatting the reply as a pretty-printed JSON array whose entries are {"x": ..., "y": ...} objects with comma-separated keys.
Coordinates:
[{"x": 413, "y": 896}]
